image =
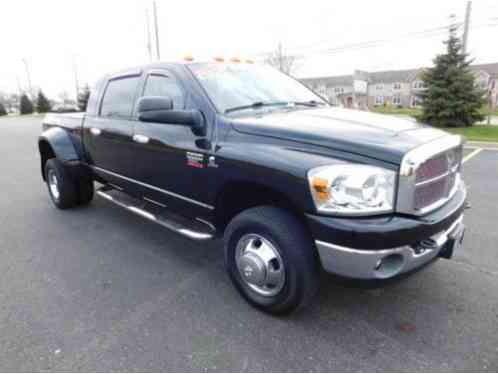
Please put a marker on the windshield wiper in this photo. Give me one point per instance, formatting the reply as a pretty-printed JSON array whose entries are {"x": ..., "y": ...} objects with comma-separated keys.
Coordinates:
[
  {"x": 255, "y": 105},
  {"x": 311, "y": 103}
]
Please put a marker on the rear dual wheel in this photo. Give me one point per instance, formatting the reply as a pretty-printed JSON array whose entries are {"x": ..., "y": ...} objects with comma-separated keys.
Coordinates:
[{"x": 65, "y": 190}]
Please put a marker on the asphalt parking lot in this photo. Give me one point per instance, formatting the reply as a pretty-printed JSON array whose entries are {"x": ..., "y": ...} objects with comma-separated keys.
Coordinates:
[{"x": 98, "y": 289}]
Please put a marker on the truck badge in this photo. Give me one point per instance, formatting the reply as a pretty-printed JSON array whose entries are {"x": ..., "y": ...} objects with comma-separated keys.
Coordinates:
[{"x": 195, "y": 160}]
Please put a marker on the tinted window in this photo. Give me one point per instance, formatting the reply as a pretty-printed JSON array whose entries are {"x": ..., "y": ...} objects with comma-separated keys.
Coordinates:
[
  {"x": 119, "y": 97},
  {"x": 160, "y": 85}
]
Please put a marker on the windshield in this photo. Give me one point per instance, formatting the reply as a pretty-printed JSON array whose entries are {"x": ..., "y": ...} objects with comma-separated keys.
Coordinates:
[{"x": 243, "y": 86}]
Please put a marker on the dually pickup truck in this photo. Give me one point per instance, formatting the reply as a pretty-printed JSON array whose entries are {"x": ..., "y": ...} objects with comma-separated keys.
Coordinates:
[{"x": 239, "y": 151}]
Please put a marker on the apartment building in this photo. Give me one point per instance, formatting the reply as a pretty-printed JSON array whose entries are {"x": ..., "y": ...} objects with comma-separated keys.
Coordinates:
[{"x": 398, "y": 88}]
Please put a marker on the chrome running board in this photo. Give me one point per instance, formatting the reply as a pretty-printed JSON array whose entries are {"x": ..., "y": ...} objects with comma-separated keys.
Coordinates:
[{"x": 168, "y": 220}]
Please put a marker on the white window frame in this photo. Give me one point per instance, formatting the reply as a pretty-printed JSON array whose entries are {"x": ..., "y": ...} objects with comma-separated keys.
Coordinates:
[
  {"x": 379, "y": 100},
  {"x": 396, "y": 100},
  {"x": 397, "y": 86},
  {"x": 379, "y": 86},
  {"x": 418, "y": 84}
]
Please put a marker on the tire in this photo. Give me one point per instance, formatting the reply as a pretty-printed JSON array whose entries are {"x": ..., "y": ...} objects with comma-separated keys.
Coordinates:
[
  {"x": 64, "y": 194},
  {"x": 268, "y": 228}
]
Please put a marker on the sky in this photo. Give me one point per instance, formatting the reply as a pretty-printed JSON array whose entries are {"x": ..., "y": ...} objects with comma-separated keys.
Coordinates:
[{"x": 57, "y": 38}]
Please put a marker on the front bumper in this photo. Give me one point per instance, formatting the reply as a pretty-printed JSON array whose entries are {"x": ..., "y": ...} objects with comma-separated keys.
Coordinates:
[
  {"x": 381, "y": 248},
  {"x": 388, "y": 263}
]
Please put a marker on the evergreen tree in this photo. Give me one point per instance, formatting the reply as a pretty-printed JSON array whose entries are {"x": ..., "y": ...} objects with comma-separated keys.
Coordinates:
[
  {"x": 83, "y": 98},
  {"x": 42, "y": 103},
  {"x": 3, "y": 111},
  {"x": 26, "y": 106},
  {"x": 452, "y": 98}
]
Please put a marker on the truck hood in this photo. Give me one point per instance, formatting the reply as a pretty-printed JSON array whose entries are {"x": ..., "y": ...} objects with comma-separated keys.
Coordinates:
[{"x": 382, "y": 137}]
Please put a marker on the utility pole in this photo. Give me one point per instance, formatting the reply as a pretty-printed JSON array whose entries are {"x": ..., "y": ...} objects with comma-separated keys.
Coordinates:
[
  {"x": 19, "y": 88},
  {"x": 28, "y": 75},
  {"x": 157, "y": 31},
  {"x": 466, "y": 27},
  {"x": 149, "y": 45},
  {"x": 75, "y": 67}
]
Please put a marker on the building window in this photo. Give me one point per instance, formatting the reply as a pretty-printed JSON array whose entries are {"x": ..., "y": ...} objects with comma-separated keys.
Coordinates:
[
  {"x": 416, "y": 101},
  {"x": 397, "y": 100},
  {"x": 321, "y": 90},
  {"x": 483, "y": 84},
  {"x": 339, "y": 90},
  {"x": 418, "y": 85},
  {"x": 397, "y": 86},
  {"x": 379, "y": 100},
  {"x": 379, "y": 87}
]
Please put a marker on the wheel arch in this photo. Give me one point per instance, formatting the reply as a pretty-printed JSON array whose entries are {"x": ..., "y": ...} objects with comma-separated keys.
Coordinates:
[
  {"x": 237, "y": 196},
  {"x": 56, "y": 142}
]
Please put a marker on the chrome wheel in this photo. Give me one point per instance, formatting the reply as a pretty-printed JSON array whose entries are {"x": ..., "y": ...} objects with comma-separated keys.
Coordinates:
[
  {"x": 53, "y": 184},
  {"x": 260, "y": 264}
]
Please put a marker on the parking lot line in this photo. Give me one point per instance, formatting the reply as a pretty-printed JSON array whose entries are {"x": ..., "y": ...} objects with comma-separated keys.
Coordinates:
[{"x": 471, "y": 155}]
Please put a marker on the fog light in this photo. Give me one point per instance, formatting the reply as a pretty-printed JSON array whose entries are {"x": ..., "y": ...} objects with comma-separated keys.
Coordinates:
[{"x": 389, "y": 266}]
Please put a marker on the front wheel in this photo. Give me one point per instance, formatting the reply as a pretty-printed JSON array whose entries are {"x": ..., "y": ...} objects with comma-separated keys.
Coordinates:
[{"x": 271, "y": 259}]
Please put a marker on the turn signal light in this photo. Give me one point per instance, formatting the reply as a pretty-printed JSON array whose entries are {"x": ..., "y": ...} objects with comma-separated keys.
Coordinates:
[{"x": 321, "y": 187}]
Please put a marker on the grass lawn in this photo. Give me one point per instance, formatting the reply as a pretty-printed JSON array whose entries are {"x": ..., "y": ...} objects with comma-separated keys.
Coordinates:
[
  {"x": 477, "y": 133},
  {"x": 415, "y": 111},
  {"x": 397, "y": 111}
]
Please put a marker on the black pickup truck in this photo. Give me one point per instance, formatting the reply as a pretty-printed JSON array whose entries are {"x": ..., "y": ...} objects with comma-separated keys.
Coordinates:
[{"x": 239, "y": 151}]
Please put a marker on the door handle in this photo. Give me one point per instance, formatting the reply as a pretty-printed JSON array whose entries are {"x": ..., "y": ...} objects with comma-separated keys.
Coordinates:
[
  {"x": 95, "y": 131},
  {"x": 142, "y": 139}
]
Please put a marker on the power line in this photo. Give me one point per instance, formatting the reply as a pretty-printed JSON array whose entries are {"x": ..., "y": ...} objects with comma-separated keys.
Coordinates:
[{"x": 427, "y": 33}]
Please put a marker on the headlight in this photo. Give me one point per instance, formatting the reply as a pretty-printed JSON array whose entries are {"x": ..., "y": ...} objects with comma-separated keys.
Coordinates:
[{"x": 352, "y": 189}]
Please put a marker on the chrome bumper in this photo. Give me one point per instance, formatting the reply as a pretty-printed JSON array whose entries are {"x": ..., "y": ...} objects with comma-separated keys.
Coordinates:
[{"x": 386, "y": 263}]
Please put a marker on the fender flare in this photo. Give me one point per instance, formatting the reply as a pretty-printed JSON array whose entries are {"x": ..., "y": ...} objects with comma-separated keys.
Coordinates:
[{"x": 56, "y": 142}]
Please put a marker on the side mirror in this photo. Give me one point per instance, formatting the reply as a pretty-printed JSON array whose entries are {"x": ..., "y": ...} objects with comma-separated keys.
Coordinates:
[
  {"x": 154, "y": 103},
  {"x": 156, "y": 109}
]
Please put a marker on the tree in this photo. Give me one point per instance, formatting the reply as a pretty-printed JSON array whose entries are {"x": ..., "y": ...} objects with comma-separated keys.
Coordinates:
[
  {"x": 26, "y": 106},
  {"x": 452, "y": 98},
  {"x": 280, "y": 60},
  {"x": 83, "y": 97},
  {"x": 3, "y": 111},
  {"x": 42, "y": 103}
]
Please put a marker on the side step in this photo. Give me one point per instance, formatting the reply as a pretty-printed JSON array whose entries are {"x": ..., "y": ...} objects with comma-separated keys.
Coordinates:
[{"x": 183, "y": 226}]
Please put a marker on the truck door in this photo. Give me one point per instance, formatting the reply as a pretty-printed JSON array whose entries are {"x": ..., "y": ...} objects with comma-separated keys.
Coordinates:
[
  {"x": 168, "y": 163},
  {"x": 108, "y": 135}
]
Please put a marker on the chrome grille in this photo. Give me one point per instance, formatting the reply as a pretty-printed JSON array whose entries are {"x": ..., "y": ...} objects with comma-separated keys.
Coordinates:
[
  {"x": 429, "y": 175},
  {"x": 435, "y": 178},
  {"x": 432, "y": 168}
]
